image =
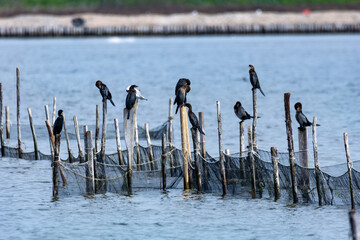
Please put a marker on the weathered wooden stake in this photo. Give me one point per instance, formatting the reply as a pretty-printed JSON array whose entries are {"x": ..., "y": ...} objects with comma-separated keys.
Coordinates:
[
  {"x": 129, "y": 141},
  {"x": 48, "y": 119},
  {"x": 353, "y": 224},
  {"x": 33, "y": 134},
  {"x": 290, "y": 146},
  {"x": 203, "y": 145},
  {"x": 170, "y": 137},
  {"x": 54, "y": 112},
  {"x": 85, "y": 129},
  {"x": 1, "y": 122},
  {"x": 103, "y": 137},
  {"x": 184, "y": 148},
  {"x": 55, "y": 164},
  {"x": 316, "y": 162},
  {"x": 254, "y": 119},
  {"x": 138, "y": 160},
  {"x": 275, "y": 162},
  {"x": 90, "y": 181},
  {"x": 196, "y": 143},
  {"x": 7, "y": 121},
  {"x": 97, "y": 131},
  {"x": 222, "y": 160},
  {"x": 67, "y": 139},
  {"x": 349, "y": 165},
  {"x": 118, "y": 142},
  {"x": 304, "y": 157},
  {"x": 163, "y": 162},
  {"x": 252, "y": 163},
  {"x": 242, "y": 149},
  {"x": 18, "y": 110},
  {"x": 76, "y": 126},
  {"x": 151, "y": 155}
]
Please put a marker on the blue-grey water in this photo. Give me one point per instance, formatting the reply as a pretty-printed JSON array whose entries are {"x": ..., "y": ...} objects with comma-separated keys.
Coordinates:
[{"x": 321, "y": 71}]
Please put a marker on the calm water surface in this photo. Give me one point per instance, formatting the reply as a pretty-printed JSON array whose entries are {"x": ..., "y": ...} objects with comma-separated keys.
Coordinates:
[{"x": 320, "y": 71}]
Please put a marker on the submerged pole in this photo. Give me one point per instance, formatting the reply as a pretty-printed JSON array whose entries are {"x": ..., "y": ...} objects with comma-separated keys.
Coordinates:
[
  {"x": 163, "y": 162},
  {"x": 36, "y": 152},
  {"x": 275, "y": 162},
  {"x": 170, "y": 137},
  {"x": 7, "y": 121},
  {"x": 349, "y": 165},
  {"x": 222, "y": 160},
  {"x": 76, "y": 126},
  {"x": 151, "y": 155},
  {"x": 353, "y": 224},
  {"x": 18, "y": 110},
  {"x": 184, "y": 148},
  {"x": 316, "y": 162},
  {"x": 67, "y": 139},
  {"x": 118, "y": 142},
  {"x": 290, "y": 146},
  {"x": 252, "y": 163},
  {"x": 55, "y": 164}
]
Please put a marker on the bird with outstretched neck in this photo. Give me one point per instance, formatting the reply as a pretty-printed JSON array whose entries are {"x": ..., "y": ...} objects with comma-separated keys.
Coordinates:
[
  {"x": 130, "y": 99},
  {"x": 180, "y": 98},
  {"x": 58, "y": 125},
  {"x": 254, "y": 80},
  {"x": 240, "y": 112},
  {"x": 104, "y": 91},
  {"x": 301, "y": 118},
  {"x": 193, "y": 119}
]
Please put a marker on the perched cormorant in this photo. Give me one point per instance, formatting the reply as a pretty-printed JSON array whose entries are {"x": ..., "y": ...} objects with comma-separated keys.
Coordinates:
[
  {"x": 104, "y": 91},
  {"x": 138, "y": 93},
  {"x": 254, "y": 79},
  {"x": 58, "y": 123},
  {"x": 130, "y": 99},
  {"x": 301, "y": 118},
  {"x": 181, "y": 96},
  {"x": 182, "y": 82},
  {"x": 240, "y": 112},
  {"x": 193, "y": 119}
]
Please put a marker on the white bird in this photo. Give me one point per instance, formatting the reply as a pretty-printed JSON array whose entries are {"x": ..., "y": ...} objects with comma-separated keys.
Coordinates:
[{"x": 138, "y": 93}]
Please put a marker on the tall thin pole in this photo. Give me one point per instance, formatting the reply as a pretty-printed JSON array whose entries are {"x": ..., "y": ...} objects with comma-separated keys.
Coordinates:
[
  {"x": 7, "y": 121},
  {"x": 103, "y": 137},
  {"x": 163, "y": 162},
  {"x": 151, "y": 155},
  {"x": 48, "y": 119},
  {"x": 242, "y": 149},
  {"x": 275, "y": 162},
  {"x": 77, "y": 133},
  {"x": 222, "y": 160},
  {"x": 97, "y": 131},
  {"x": 170, "y": 137},
  {"x": 138, "y": 160},
  {"x": 196, "y": 143},
  {"x": 90, "y": 164},
  {"x": 203, "y": 146},
  {"x": 118, "y": 142},
  {"x": 316, "y": 162},
  {"x": 67, "y": 139},
  {"x": 85, "y": 129},
  {"x": 33, "y": 134},
  {"x": 254, "y": 138},
  {"x": 349, "y": 165},
  {"x": 252, "y": 163},
  {"x": 54, "y": 112},
  {"x": 184, "y": 148},
  {"x": 55, "y": 164},
  {"x": 1, "y": 121},
  {"x": 18, "y": 110}
]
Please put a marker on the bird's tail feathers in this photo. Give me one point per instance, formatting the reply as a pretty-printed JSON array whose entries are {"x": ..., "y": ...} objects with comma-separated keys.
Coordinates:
[
  {"x": 128, "y": 116},
  {"x": 261, "y": 91},
  {"x": 112, "y": 102},
  {"x": 201, "y": 131},
  {"x": 177, "y": 108}
]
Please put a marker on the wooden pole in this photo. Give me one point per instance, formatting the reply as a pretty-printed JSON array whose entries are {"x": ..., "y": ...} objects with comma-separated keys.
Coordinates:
[
  {"x": 33, "y": 134},
  {"x": 118, "y": 142},
  {"x": 353, "y": 224},
  {"x": 316, "y": 162},
  {"x": 184, "y": 148},
  {"x": 138, "y": 160},
  {"x": 103, "y": 137},
  {"x": 163, "y": 162},
  {"x": 85, "y": 129},
  {"x": 203, "y": 145},
  {"x": 67, "y": 139},
  {"x": 54, "y": 112},
  {"x": 304, "y": 157},
  {"x": 196, "y": 143},
  {"x": 48, "y": 119},
  {"x": 223, "y": 176},
  {"x": 56, "y": 160},
  {"x": 97, "y": 131},
  {"x": 1, "y": 122},
  {"x": 254, "y": 119},
  {"x": 18, "y": 110},
  {"x": 151, "y": 155},
  {"x": 242, "y": 149},
  {"x": 90, "y": 181},
  {"x": 252, "y": 163},
  {"x": 170, "y": 137},
  {"x": 7, "y": 122},
  {"x": 349, "y": 165},
  {"x": 76, "y": 126},
  {"x": 290, "y": 146},
  {"x": 129, "y": 140},
  {"x": 275, "y": 162}
]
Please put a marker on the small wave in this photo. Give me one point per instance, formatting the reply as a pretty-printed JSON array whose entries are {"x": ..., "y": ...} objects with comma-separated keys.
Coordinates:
[{"x": 120, "y": 40}]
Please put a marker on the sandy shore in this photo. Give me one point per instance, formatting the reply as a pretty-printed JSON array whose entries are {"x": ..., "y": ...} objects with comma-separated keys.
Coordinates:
[{"x": 229, "y": 19}]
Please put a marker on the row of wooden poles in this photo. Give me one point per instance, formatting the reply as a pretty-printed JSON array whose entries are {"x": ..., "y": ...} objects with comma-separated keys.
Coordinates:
[{"x": 176, "y": 30}]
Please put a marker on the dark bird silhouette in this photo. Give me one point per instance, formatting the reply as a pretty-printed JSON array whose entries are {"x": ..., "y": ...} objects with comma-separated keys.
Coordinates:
[
  {"x": 58, "y": 123},
  {"x": 301, "y": 118},
  {"x": 181, "y": 96},
  {"x": 182, "y": 82},
  {"x": 104, "y": 91},
  {"x": 130, "y": 99},
  {"x": 193, "y": 119},
  {"x": 254, "y": 80},
  {"x": 240, "y": 112}
]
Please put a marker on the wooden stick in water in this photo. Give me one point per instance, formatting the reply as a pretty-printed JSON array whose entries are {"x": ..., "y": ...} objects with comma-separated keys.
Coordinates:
[
  {"x": 304, "y": 157},
  {"x": 138, "y": 160},
  {"x": 90, "y": 181},
  {"x": 254, "y": 138},
  {"x": 196, "y": 143},
  {"x": 85, "y": 129},
  {"x": 184, "y": 129},
  {"x": 48, "y": 119},
  {"x": 67, "y": 139},
  {"x": 1, "y": 121},
  {"x": 170, "y": 137},
  {"x": 55, "y": 164},
  {"x": 252, "y": 163},
  {"x": 76, "y": 126},
  {"x": 275, "y": 162},
  {"x": 54, "y": 112},
  {"x": 151, "y": 155},
  {"x": 353, "y": 224},
  {"x": 7, "y": 122},
  {"x": 223, "y": 176},
  {"x": 97, "y": 131},
  {"x": 203, "y": 145},
  {"x": 290, "y": 147},
  {"x": 33, "y": 134},
  {"x": 18, "y": 110},
  {"x": 163, "y": 162},
  {"x": 349, "y": 165},
  {"x": 129, "y": 141},
  {"x": 316, "y": 162},
  {"x": 103, "y": 137},
  {"x": 242, "y": 149},
  {"x": 118, "y": 142}
]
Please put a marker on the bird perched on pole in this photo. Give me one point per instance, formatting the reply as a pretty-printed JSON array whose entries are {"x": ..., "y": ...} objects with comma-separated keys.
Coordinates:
[
  {"x": 58, "y": 123},
  {"x": 182, "y": 82},
  {"x": 193, "y": 119},
  {"x": 130, "y": 99},
  {"x": 138, "y": 93},
  {"x": 254, "y": 80},
  {"x": 104, "y": 91},
  {"x": 301, "y": 118},
  {"x": 180, "y": 98},
  {"x": 240, "y": 112}
]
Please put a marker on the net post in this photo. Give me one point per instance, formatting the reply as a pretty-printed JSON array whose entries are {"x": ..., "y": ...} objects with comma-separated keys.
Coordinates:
[
  {"x": 316, "y": 162},
  {"x": 275, "y": 162},
  {"x": 1, "y": 122},
  {"x": 33, "y": 134},
  {"x": 54, "y": 112},
  {"x": 304, "y": 157},
  {"x": 353, "y": 224},
  {"x": 252, "y": 163},
  {"x": 97, "y": 131},
  {"x": 129, "y": 140},
  {"x": 137, "y": 146},
  {"x": 7, "y": 121},
  {"x": 48, "y": 119},
  {"x": 76, "y": 126},
  {"x": 254, "y": 139},
  {"x": 90, "y": 181},
  {"x": 151, "y": 155},
  {"x": 222, "y": 160},
  {"x": 290, "y": 146},
  {"x": 67, "y": 139},
  {"x": 196, "y": 144},
  {"x": 85, "y": 129},
  {"x": 242, "y": 149},
  {"x": 170, "y": 137},
  {"x": 18, "y": 110},
  {"x": 184, "y": 148},
  {"x": 163, "y": 162},
  {"x": 103, "y": 134},
  {"x": 203, "y": 144},
  {"x": 118, "y": 142},
  {"x": 56, "y": 159},
  {"x": 349, "y": 165}
]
